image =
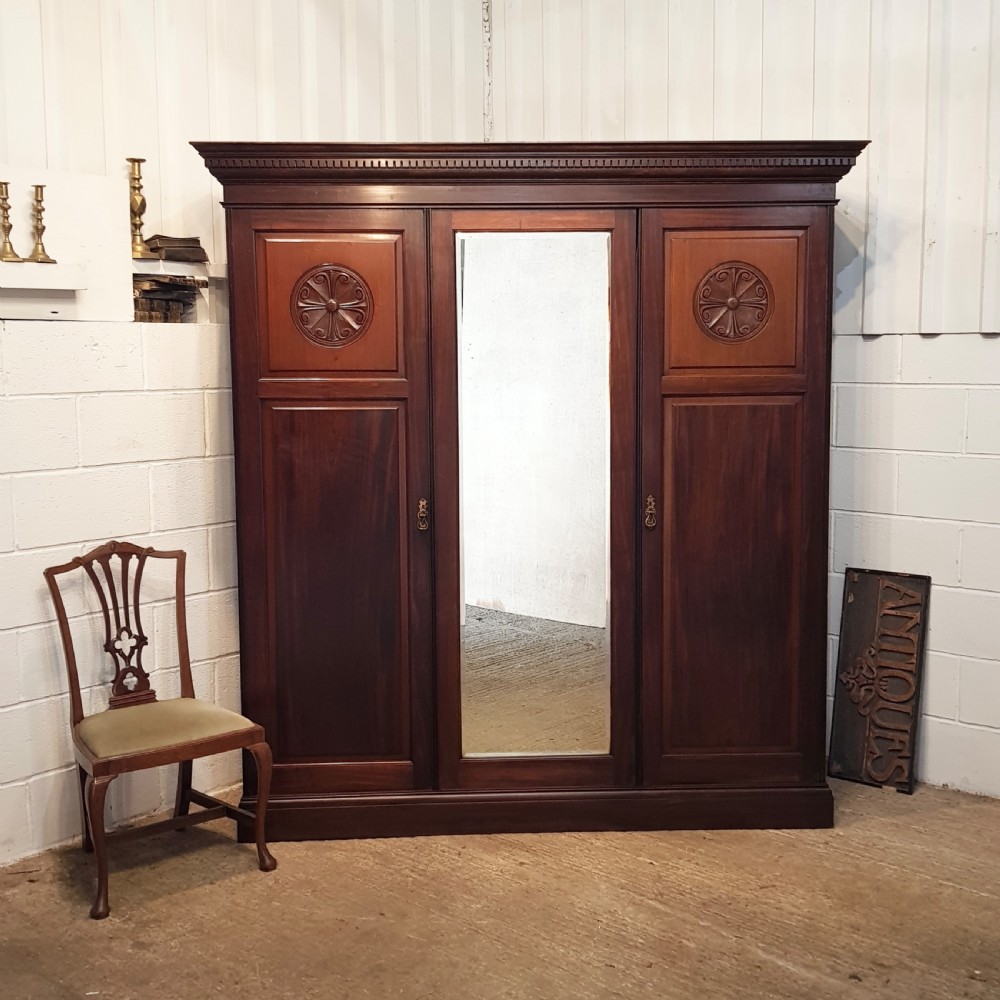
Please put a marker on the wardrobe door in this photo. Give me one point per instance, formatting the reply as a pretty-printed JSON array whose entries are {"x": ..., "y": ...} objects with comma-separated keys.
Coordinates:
[
  {"x": 534, "y": 361},
  {"x": 735, "y": 309},
  {"x": 330, "y": 376}
]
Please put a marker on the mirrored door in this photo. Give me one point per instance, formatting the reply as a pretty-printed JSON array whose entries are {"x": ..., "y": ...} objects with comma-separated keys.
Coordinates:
[
  {"x": 534, "y": 360},
  {"x": 534, "y": 481}
]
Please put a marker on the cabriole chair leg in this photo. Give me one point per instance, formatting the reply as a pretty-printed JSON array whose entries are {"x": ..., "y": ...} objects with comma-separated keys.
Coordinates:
[
  {"x": 97, "y": 790},
  {"x": 262, "y": 757}
]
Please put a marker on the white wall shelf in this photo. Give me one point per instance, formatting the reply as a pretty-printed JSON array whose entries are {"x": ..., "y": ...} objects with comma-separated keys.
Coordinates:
[
  {"x": 86, "y": 230},
  {"x": 43, "y": 277}
]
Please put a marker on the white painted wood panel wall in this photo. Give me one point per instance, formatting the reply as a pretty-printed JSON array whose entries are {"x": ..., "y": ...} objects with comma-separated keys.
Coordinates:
[{"x": 83, "y": 83}]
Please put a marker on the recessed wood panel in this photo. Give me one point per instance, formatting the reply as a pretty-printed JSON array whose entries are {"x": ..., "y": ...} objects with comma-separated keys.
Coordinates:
[
  {"x": 731, "y": 603},
  {"x": 334, "y": 495},
  {"x": 332, "y": 302},
  {"x": 732, "y": 299}
]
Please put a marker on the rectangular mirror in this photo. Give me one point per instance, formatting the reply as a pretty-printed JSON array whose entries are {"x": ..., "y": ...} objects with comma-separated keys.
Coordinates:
[{"x": 534, "y": 459}]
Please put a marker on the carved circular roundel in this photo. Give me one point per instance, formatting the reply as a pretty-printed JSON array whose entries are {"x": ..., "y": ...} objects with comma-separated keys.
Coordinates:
[
  {"x": 733, "y": 302},
  {"x": 332, "y": 305}
]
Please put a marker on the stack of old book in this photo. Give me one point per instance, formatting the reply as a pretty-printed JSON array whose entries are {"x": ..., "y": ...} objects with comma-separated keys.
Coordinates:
[
  {"x": 184, "y": 248},
  {"x": 165, "y": 298}
]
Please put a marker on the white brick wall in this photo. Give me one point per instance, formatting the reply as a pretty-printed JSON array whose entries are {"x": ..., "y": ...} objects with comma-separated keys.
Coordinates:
[
  {"x": 915, "y": 488},
  {"x": 45, "y": 358},
  {"x": 6, "y": 516},
  {"x": 38, "y": 433},
  {"x": 120, "y": 427},
  {"x": 107, "y": 430},
  {"x": 52, "y": 508}
]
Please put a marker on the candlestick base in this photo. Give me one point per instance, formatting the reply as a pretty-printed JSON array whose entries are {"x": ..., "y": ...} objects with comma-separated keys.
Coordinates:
[
  {"x": 39, "y": 256},
  {"x": 142, "y": 252}
]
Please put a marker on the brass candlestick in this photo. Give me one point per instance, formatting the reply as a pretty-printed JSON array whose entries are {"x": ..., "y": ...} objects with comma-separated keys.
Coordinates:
[
  {"x": 7, "y": 252},
  {"x": 38, "y": 254},
  {"x": 137, "y": 205}
]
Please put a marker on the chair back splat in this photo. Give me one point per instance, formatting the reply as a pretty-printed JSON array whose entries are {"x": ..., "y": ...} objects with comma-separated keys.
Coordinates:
[
  {"x": 115, "y": 570},
  {"x": 126, "y": 641}
]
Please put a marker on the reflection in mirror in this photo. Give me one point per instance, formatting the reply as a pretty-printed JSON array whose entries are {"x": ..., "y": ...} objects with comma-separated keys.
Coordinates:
[{"x": 535, "y": 463}]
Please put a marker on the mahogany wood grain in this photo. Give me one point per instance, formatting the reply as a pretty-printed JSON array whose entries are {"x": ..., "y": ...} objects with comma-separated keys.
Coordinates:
[
  {"x": 624, "y": 527},
  {"x": 731, "y": 614},
  {"x": 538, "y": 771},
  {"x": 341, "y": 388},
  {"x": 341, "y": 776},
  {"x": 730, "y": 589},
  {"x": 285, "y": 257},
  {"x": 549, "y": 811},
  {"x": 733, "y": 383},
  {"x": 818, "y": 292},
  {"x": 334, "y": 456},
  {"x": 650, "y": 193},
  {"x": 335, "y": 493},
  {"x": 691, "y": 255},
  {"x": 731, "y": 529},
  {"x": 447, "y": 553}
]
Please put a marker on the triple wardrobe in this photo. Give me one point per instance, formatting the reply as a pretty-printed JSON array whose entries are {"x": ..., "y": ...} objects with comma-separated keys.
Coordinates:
[{"x": 532, "y": 453}]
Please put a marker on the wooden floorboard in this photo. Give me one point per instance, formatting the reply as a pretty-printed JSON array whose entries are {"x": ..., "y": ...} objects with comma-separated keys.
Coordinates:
[{"x": 900, "y": 899}]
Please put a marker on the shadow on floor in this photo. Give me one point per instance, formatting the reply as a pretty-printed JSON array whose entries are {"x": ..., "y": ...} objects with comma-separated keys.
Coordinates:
[{"x": 196, "y": 858}]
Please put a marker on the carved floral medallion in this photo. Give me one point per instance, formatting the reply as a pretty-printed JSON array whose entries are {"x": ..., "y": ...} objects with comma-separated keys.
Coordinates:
[
  {"x": 733, "y": 302},
  {"x": 332, "y": 305}
]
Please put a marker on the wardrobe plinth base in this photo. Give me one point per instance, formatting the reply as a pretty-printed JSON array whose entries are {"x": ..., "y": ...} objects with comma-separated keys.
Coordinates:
[{"x": 450, "y": 813}]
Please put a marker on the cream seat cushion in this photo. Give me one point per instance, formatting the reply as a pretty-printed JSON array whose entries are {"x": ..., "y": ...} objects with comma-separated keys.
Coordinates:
[{"x": 157, "y": 724}]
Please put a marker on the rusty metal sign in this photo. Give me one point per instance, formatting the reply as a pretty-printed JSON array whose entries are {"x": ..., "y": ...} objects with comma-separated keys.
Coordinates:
[{"x": 876, "y": 700}]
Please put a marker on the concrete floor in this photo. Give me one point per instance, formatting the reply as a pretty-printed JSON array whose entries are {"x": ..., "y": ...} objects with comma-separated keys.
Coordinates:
[
  {"x": 901, "y": 899},
  {"x": 531, "y": 685}
]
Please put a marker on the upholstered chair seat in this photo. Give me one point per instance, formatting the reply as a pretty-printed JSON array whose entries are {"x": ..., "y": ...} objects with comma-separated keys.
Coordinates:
[{"x": 157, "y": 725}]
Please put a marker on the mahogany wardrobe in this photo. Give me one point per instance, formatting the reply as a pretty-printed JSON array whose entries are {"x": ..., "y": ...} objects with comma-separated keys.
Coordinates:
[{"x": 407, "y": 338}]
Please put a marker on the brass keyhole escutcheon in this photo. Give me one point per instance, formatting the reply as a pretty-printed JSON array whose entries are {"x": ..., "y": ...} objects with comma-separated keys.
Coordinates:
[
  {"x": 650, "y": 519},
  {"x": 423, "y": 516}
]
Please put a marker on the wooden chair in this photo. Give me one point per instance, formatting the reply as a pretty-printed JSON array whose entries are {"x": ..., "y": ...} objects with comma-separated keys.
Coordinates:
[{"x": 137, "y": 731}]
